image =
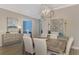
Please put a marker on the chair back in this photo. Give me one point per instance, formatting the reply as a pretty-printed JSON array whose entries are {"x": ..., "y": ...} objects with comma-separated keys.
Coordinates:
[
  {"x": 40, "y": 46},
  {"x": 68, "y": 46},
  {"x": 28, "y": 44}
]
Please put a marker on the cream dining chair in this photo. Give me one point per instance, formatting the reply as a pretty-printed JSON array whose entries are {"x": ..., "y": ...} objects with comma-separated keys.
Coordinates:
[
  {"x": 69, "y": 45},
  {"x": 28, "y": 44},
  {"x": 41, "y": 47}
]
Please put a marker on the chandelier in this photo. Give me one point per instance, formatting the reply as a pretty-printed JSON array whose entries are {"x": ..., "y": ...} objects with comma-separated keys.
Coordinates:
[{"x": 47, "y": 12}]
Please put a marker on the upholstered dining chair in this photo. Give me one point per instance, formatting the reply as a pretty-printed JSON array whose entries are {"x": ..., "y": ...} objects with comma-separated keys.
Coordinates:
[
  {"x": 28, "y": 44},
  {"x": 69, "y": 45},
  {"x": 41, "y": 47}
]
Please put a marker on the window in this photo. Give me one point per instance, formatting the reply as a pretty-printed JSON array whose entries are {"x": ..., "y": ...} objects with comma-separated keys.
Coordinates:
[{"x": 27, "y": 26}]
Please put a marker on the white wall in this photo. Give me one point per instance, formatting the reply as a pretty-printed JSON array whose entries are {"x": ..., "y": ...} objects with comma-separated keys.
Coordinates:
[
  {"x": 35, "y": 28},
  {"x": 3, "y": 22},
  {"x": 71, "y": 15}
]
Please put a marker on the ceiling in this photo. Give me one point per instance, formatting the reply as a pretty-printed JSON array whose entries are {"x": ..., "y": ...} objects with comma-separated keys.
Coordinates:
[{"x": 32, "y": 10}]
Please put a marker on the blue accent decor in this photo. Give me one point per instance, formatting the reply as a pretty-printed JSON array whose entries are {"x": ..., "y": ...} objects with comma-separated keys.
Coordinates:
[
  {"x": 61, "y": 34},
  {"x": 27, "y": 25}
]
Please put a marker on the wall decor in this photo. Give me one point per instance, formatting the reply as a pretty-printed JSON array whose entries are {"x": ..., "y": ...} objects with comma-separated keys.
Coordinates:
[
  {"x": 51, "y": 22},
  {"x": 56, "y": 25},
  {"x": 11, "y": 24}
]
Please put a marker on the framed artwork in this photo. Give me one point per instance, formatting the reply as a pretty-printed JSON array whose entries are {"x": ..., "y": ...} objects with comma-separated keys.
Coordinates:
[
  {"x": 11, "y": 24},
  {"x": 57, "y": 25}
]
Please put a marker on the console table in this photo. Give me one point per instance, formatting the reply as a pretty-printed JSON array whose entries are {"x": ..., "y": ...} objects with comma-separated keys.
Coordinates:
[{"x": 12, "y": 44}]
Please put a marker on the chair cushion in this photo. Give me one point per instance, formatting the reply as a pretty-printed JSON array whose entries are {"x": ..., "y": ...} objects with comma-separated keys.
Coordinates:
[{"x": 58, "y": 45}]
